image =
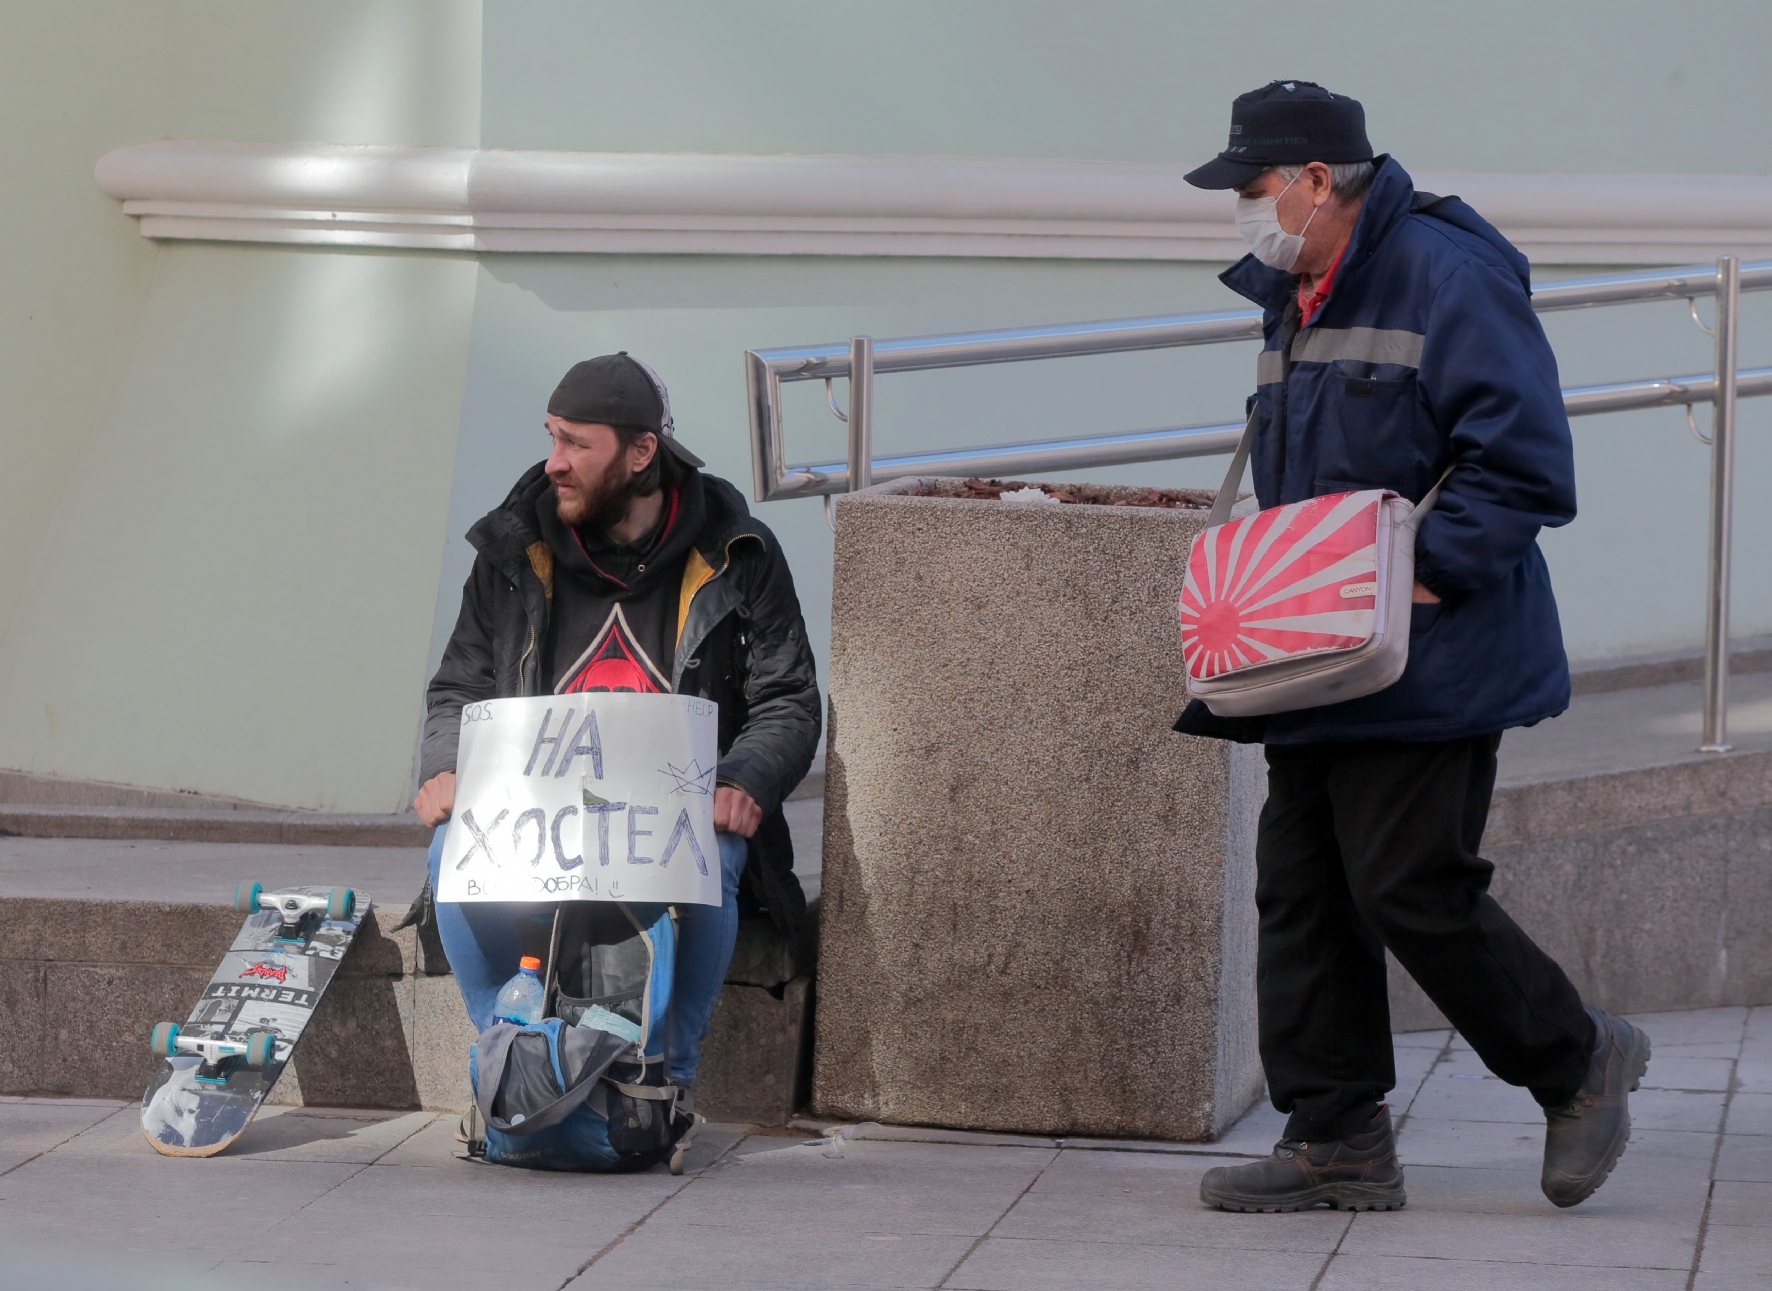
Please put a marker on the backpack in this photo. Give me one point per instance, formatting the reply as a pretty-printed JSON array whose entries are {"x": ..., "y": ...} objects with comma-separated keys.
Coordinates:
[{"x": 584, "y": 1088}]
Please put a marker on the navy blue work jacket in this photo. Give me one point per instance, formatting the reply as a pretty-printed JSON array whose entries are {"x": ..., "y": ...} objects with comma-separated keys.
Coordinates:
[{"x": 1426, "y": 354}]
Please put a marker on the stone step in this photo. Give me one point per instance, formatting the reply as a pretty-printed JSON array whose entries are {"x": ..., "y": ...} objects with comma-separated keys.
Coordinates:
[
  {"x": 209, "y": 825},
  {"x": 33, "y": 806},
  {"x": 82, "y": 981}
]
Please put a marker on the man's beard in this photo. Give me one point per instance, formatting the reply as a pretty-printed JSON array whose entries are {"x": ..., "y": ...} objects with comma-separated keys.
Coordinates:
[{"x": 603, "y": 505}]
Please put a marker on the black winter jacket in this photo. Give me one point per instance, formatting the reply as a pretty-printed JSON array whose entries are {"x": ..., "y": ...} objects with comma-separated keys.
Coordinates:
[{"x": 741, "y": 642}]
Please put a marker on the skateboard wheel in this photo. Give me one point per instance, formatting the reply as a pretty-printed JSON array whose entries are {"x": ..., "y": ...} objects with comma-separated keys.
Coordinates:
[
  {"x": 677, "y": 1161},
  {"x": 340, "y": 902},
  {"x": 164, "y": 1039},
  {"x": 246, "y": 896},
  {"x": 260, "y": 1048}
]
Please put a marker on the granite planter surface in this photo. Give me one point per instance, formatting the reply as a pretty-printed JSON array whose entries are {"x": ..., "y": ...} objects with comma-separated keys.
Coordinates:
[{"x": 1038, "y": 899}]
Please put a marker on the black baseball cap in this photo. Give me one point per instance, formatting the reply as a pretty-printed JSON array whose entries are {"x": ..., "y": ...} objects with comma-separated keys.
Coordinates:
[
  {"x": 619, "y": 390},
  {"x": 1286, "y": 123}
]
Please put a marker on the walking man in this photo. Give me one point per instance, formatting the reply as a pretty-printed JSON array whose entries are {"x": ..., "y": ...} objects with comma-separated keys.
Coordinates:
[
  {"x": 1400, "y": 341},
  {"x": 617, "y": 565}
]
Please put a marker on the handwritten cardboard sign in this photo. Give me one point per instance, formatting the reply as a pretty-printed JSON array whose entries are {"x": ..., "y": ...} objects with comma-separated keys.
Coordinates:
[{"x": 593, "y": 797}]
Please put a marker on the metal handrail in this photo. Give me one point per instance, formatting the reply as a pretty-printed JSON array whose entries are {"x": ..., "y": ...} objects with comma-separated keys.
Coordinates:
[{"x": 774, "y": 479}]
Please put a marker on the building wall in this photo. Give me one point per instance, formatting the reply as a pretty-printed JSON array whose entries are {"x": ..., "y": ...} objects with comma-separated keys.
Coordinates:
[
  {"x": 234, "y": 479},
  {"x": 224, "y": 469},
  {"x": 1501, "y": 85}
]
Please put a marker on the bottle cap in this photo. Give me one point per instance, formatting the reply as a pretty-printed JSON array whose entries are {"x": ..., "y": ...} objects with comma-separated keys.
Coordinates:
[{"x": 530, "y": 962}]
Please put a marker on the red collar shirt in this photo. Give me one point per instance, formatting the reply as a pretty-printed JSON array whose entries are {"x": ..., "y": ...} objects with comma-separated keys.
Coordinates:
[{"x": 1310, "y": 302}]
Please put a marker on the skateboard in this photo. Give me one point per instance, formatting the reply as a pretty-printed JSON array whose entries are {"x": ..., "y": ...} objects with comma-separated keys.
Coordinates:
[{"x": 222, "y": 1061}]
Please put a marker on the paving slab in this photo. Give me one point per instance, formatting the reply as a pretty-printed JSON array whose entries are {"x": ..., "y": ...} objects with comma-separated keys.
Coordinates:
[
  {"x": 923, "y": 1209},
  {"x": 189, "y": 1208},
  {"x": 1753, "y": 1071},
  {"x": 1542, "y": 1238},
  {"x": 1738, "y": 1253},
  {"x": 1254, "y": 1135},
  {"x": 1484, "y": 1145},
  {"x": 1153, "y": 1201},
  {"x": 1378, "y": 1273},
  {"x": 1460, "y": 1088},
  {"x": 1746, "y": 1158},
  {"x": 1005, "y": 1264},
  {"x": 349, "y": 1137},
  {"x": 1645, "y": 726},
  {"x": 1675, "y": 1072},
  {"x": 1167, "y": 1218},
  {"x": 1734, "y": 1203},
  {"x": 1750, "y": 1113},
  {"x": 31, "y": 1127},
  {"x": 868, "y": 1187},
  {"x": 674, "y": 1254},
  {"x": 47, "y": 1267},
  {"x": 1728, "y": 1282},
  {"x": 1435, "y": 1040}
]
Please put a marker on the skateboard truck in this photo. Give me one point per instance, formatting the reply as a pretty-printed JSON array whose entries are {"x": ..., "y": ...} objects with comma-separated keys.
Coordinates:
[
  {"x": 219, "y": 1054},
  {"x": 301, "y": 912}
]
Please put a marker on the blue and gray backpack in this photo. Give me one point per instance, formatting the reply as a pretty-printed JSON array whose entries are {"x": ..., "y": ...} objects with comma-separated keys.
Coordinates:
[{"x": 584, "y": 1088}]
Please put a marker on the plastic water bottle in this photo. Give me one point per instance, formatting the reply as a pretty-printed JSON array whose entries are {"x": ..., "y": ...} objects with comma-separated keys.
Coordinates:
[{"x": 521, "y": 999}]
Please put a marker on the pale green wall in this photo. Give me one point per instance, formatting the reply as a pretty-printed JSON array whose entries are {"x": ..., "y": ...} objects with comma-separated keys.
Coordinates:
[
  {"x": 237, "y": 594},
  {"x": 223, "y": 468},
  {"x": 233, "y": 479},
  {"x": 75, "y": 80},
  {"x": 1607, "y": 85},
  {"x": 332, "y": 71},
  {"x": 1611, "y": 86}
]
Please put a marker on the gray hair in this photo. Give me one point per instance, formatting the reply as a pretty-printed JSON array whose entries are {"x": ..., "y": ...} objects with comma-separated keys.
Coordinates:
[{"x": 1348, "y": 180}]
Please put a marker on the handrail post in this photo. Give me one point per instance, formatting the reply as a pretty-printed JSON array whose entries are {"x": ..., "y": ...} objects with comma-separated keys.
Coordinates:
[
  {"x": 1722, "y": 496},
  {"x": 861, "y": 412}
]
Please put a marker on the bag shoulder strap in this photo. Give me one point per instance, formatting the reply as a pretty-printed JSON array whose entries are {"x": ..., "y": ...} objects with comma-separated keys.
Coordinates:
[
  {"x": 1419, "y": 513},
  {"x": 1233, "y": 480}
]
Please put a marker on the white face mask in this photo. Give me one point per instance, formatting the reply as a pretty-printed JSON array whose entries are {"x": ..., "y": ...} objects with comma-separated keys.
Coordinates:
[{"x": 1258, "y": 220}]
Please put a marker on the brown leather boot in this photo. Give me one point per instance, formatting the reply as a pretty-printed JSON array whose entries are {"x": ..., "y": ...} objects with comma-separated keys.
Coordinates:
[
  {"x": 1359, "y": 1172},
  {"x": 1583, "y": 1141}
]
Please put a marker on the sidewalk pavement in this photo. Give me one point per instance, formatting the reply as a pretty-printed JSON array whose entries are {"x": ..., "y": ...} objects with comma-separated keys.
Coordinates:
[{"x": 319, "y": 1198}]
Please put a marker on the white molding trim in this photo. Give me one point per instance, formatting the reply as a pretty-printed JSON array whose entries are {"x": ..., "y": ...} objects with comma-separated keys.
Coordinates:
[{"x": 474, "y": 200}]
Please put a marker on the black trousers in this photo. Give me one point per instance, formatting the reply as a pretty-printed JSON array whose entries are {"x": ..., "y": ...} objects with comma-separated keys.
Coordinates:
[{"x": 1368, "y": 846}]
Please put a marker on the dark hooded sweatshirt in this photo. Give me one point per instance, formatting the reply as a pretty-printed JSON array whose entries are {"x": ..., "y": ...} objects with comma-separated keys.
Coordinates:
[{"x": 615, "y": 605}]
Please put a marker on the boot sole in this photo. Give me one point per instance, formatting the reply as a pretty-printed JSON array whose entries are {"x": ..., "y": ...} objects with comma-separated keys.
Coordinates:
[
  {"x": 1636, "y": 1067},
  {"x": 1338, "y": 1196}
]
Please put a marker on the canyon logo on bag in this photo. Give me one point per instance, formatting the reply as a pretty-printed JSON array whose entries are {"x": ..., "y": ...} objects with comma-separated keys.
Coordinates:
[{"x": 1300, "y": 605}]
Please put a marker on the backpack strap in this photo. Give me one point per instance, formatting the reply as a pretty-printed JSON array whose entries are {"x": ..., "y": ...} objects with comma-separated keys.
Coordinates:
[{"x": 657, "y": 1093}]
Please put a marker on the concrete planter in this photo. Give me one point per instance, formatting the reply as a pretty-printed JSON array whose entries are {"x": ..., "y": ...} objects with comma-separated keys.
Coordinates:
[{"x": 1038, "y": 899}]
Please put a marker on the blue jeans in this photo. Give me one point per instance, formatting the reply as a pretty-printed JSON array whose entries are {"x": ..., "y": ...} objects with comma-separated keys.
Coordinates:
[{"x": 482, "y": 941}]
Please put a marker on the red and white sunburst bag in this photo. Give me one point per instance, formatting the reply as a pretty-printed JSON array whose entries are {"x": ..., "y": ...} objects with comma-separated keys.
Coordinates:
[{"x": 1301, "y": 605}]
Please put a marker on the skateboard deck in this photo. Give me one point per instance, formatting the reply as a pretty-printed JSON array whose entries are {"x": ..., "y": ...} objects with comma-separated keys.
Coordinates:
[{"x": 222, "y": 1061}]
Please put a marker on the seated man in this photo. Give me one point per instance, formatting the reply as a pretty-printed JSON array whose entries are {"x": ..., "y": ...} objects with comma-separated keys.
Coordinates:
[{"x": 616, "y": 565}]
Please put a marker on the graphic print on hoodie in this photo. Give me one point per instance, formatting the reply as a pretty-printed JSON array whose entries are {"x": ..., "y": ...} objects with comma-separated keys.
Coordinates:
[{"x": 615, "y": 661}]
